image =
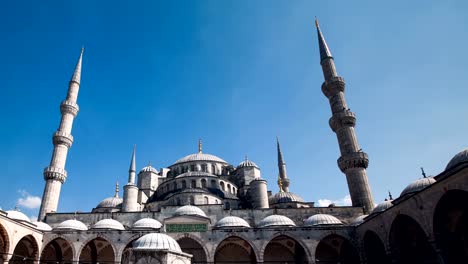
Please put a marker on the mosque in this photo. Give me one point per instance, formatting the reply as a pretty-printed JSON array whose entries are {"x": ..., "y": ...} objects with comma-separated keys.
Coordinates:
[{"x": 202, "y": 209}]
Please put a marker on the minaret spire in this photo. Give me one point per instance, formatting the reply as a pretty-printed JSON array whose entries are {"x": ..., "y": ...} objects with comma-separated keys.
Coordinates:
[
  {"x": 283, "y": 176},
  {"x": 200, "y": 146},
  {"x": 116, "y": 189},
  {"x": 130, "y": 193},
  {"x": 55, "y": 174},
  {"x": 133, "y": 162},
  {"x": 353, "y": 161}
]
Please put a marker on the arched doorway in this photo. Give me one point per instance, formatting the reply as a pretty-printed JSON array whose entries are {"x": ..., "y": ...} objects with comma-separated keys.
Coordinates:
[
  {"x": 57, "y": 251},
  {"x": 26, "y": 251},
  {"x": 451, "y": 226},
  {"x": 374, "y": 249},
  {"x": 189, "y": 245},
  {"x": 336, "y": 249},
  {"x": 4, "y": 244},
  {"x": 284, "y": 250},
  {"x": 409, "y": 242},
  {"x": 127, "y": 251},
  {"x": 97, "y": 250},
  {"x": 234, "y": 250}
]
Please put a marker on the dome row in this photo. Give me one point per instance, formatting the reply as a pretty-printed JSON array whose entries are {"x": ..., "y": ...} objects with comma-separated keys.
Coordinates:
[
  {"x": 278, "y": 220},
  {"x": 73, "y": 224}
]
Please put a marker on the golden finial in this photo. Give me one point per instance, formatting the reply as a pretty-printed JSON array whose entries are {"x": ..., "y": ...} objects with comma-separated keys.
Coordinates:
[
  {"x": 280, "y": 184},
  {"x": 117, "y": 189},
  {"x": 316, "y": 23},
  {"x": 199, "y": 145}
]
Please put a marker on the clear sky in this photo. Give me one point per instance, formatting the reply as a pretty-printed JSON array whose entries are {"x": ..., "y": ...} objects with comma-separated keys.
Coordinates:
[{"x": 236, "y": 74}]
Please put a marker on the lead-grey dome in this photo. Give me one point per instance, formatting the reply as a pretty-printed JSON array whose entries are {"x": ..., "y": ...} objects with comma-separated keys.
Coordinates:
[
  {"x": 108, "y": 224},
  {"x": 71, "y": 224},
  {"x": 276, "y": 220},
  {"x": 417, "y": 185},
  {"x": 460, "y": 157},
  {"x": 285, "y": 197},
  {"x": 17, "y": 215},
  {"x": 383, "y": 206},
  {"x": 147, "y": 223},
  {"x": 110, "y": 202},
  {"x": 247, "y": 163},
  {"x": 42, "y": 226},
  {"x": 189, "y": 210},
  {"x": 358, "y": 220},
  {"x": 322, "y": 219},
  {"x": 156, "y": 241},
  {"x": 199, "y": 157},
  {"x": 149, "y": 168},
  {"x": 232, "y": 221}
]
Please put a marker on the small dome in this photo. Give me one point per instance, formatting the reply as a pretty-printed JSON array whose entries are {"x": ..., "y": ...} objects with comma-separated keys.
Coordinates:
[
  {"x": 149, "y": 168},
  {"x": 147, "y": 223},
  {"x": 247, "y": 163},
  {"x": 199, "y": 157},
  {"x": 156, "y": 241},
  {"x": 358, "y": 220},
  {"x": 71, "y": 224},
  {"x": 276, "y": 220},
  {"x": 42, "y": 226},
  {"x": 17, "y": 215},
  {"x": 285, "y": 197},
  {"x": 382, "y": 206},
  {"x": 189, "y": 210},
  {"x": 111, "y": 202},
  {"x": 322, "y": 219},
  {"x": 232, "y": 221},
  {"x": 418, "y": 185},
  {"x": 108, "y": 224},
  {"x": 461, "y": 157}
]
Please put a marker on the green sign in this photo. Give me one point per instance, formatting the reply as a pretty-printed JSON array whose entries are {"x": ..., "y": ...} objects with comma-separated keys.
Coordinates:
[{"x": 183, "y": 228}]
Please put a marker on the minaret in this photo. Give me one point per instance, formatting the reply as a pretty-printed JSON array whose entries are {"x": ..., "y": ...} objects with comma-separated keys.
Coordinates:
[
  {"x": 353, "y": 161},
  {"x": 283, "y": 176},
  {"x": 55, "y": 174},
  {"x": 130, "y": 199}
]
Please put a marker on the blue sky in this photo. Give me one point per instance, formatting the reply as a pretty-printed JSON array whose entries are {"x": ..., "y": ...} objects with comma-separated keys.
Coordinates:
[{"x": 236, "y": 74}]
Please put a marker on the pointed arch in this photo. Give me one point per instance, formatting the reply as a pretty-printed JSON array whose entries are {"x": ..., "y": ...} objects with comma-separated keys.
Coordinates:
[
  {"x": 336, "y": 249},
  {"x": 97, "y": 250},
  {"x": 124, "y": 253},
  {"x": 374, "y": 249},
  {"x": 234, "y": 249},
  {"x": 26, "y": 251},
  {"x": 284, "y": 249},
  {"x": 4, "y": 243},
  {"x": 58, "y": 250},
  {"x": 192, "y": 246}
]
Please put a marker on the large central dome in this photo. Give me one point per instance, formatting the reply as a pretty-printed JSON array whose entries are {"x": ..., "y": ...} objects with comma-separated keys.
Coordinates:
[{"x": 199, "y": 157}]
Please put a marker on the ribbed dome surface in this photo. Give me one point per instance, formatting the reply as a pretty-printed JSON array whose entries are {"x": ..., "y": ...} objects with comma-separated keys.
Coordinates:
[
  {"x": 247, "y": 163},
  {"x": 232, "y": 221},
  {"x": 156, "y": 241},
  {"x": 285, "y": 197},
  {"x": 71, "y": 224},
  {"x": 147, "y": 223},
  {"x": 111, "y": 202},
  {"x": 322, "y": 219},
  {"x": 460, "y": 157},
  {"x": 382, "y": 206},
  {"x": 108, "y": 224},
  {"x": 276, "y": 220},
  {"x": 199, "y": 157},
  {"x": 149, "y": 168},
  {"x": 17, "y": 215},
  {"x": 417, "y": 185},
  {"x": 189, "y": 210},
  {"x": 42, "y": 226},
  {"x": 358, "y": 220}
]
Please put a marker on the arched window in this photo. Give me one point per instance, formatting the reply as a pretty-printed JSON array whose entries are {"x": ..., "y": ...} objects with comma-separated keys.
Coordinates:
[
  {"x": 229, "y": 188},
  {"x": 177, "y": 201},
  {"x": 203, "y": 183},
  {"x": 206, "y": 200},
  {"x": 204, "y": 168},
  {"x": 213, "y": 183},
  {"x": 222, "y": 186},
  {"x": 227, "y": 206},
  {"x": 192, "y": 200},
  {"x": 184, "y": 185},
  {"x": 193, "y": 184},
  {"x": 213, "y": 169},
  {"x": 192, "y": 167}
]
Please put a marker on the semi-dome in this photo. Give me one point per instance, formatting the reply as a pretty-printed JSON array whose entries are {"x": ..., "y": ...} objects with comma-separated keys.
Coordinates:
[
  {"x": 285, "y": 197},
  {"x": 358, "y": 220},
  {"x": 147, "y": 223},
  {"x": 71, "y": 224},
  {"x": 17, "y": 215},
  {"x": 149, "y": 168},
  {"x": 189, "y": 210},
  {"x": 276, "y": 220},
  {"x": 108, "y": 224},
  {"x": 199, "y": 157},
  {"x": 247, "y": 163},
  {"x": 156, "y": 241},
  {"x": 322, "y": 219},
  {"x": 460, "y": 157},
  {"x": 42, "y": 226},
  {"x": 382, "y": 206},
  {"x": 232, "y": 221},
  {"x": 110, "y": 202},
  {"x": 417, "y": 185}
]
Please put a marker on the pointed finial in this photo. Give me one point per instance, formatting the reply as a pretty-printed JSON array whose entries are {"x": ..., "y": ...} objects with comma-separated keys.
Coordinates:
[
  {"x": 149, "y": 163},
  {"x": 133, "y": 161},
  {"x": 316, "y": 23},
  {"x": 77, "y": 73},
  {"x": 116, "y": 189},
  {"x": 423, "y": 173},
  {"x": 199, "y": 145},
  {"x": 323, "y": 47},
  {"x": 246, "y": 158},
  {"x": 16, "y": 207},
  {"x": 390, "y": 195},
  {"x": 280, "y": 184}
]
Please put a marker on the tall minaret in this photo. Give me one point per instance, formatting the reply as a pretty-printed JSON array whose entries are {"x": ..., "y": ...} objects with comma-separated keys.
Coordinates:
[
  {"x": 283, "y": 176},
  {"x": 55, "y": 174},
  {"x": 130, "y": 199},
  {"x": 353, "y": 161}
]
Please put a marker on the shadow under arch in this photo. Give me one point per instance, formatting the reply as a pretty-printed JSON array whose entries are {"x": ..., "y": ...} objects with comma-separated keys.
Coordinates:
[
  {"x": 336, "y": 249},
  {"x": 285, "y": 250},
  {"x": 193, "y": 247},
  {"x": 409, "y": 243},
  {"x": 4, "y": 243},
  {"x": 56, "y": 251},
  {"x": 26, "y": 251},
  {"x": 374, "y": 249},
  {"x": 451, "y": 226},
  {"x": 234, "y": 249},
  {"x": 97, "y": 250}
]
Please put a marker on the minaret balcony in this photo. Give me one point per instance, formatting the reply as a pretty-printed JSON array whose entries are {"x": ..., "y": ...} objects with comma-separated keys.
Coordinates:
[
  {"x": 62, "y": 138},
  {"x": 345, "y": 118},
  {"x": 333, "y": 86},
  {"x": 54, "y": 173},
  {"x": 353, "y": 160},
  {"x": 69, "y": 107}
]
